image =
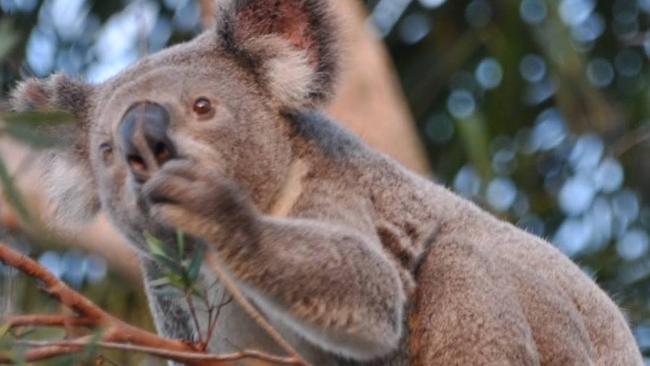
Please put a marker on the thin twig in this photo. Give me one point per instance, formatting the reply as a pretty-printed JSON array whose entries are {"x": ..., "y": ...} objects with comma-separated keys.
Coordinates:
[
  {"x": 175, "y": 355},
  {"x": 43, "y": 353},
  {"x": 214, "y": 315},
  {"x": 115, "y": 334},
  {"x": 195, "y": 318},
  {"x": 215, "y": 265},
  {"x": 46, "y": 320}
]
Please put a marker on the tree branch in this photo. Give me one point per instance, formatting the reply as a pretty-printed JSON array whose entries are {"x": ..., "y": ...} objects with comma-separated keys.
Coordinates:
[
  {"x": 77, "y": 345},
  {"x": 114, "y": 333},
  {"x": 46, "y": 320}
]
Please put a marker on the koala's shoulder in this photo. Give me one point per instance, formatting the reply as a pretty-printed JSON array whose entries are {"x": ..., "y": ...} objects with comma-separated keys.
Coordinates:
[{"x": 324, "y": 134}]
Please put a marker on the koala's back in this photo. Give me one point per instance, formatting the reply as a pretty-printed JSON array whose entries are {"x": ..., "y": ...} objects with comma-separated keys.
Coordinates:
[
  {"x": 487, "y": 288},
  {"x": 484, "y": 292},
  {"x": 482, "y": 288}
]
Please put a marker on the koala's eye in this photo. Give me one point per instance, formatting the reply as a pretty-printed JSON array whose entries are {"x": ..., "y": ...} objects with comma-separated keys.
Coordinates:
[
  {"x": 106, "y": 152},
  {"x": 203, "y": 107}
]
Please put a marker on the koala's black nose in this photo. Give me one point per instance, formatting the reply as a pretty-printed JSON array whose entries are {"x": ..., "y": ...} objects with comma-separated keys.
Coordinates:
[{"x": 144, "y": 138}]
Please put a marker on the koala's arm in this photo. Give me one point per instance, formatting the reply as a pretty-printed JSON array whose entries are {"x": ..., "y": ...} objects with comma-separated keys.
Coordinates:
[
  {"x": 327, "y": 279},
  {"x": 330, "y": 283}
]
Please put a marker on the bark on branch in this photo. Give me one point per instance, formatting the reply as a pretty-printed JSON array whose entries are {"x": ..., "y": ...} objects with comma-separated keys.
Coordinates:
[{"x": 114, "y": 333}]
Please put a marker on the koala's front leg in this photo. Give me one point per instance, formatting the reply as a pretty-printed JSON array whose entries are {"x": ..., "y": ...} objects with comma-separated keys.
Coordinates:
[{"x": 329, "y": 283}]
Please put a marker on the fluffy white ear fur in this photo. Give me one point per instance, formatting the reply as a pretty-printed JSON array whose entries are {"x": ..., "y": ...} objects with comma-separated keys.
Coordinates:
[
  {"x": 70, "y": 187},
  {"x": 71, "y": 191},
  {"x": 288, "y": 44},
  {"x": 56, "y": 92},
  {"x": 289, "y": 75}
]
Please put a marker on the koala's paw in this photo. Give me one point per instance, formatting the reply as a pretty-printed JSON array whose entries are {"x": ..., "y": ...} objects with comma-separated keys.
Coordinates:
[{"x": 204, "y": 204}]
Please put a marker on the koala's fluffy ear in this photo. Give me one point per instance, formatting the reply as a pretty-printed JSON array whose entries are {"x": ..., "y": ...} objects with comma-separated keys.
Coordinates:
[
  {"x": 288, "y": 44},
  {"x": 67, "y": 175},
  {"x": 58, "y": 92}
]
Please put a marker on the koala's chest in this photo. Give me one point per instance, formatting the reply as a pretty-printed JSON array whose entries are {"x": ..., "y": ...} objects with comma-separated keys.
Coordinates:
[{"x": 236, "y": 331}]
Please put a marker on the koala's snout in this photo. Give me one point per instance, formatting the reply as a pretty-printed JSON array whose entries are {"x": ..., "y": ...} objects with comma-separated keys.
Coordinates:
[{"x": 144, "y": 139}]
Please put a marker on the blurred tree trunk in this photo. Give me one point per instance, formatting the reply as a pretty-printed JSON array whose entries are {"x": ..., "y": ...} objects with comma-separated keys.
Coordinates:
[{"x": 368, "y": 102}]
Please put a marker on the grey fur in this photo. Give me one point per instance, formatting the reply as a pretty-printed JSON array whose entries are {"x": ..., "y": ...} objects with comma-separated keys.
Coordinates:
[{"x": 355, "y": 260}]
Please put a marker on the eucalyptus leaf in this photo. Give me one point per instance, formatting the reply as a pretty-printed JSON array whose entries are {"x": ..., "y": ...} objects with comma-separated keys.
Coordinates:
[
  {"x": 34, "y": 137},
  {"x": 11, "y": 192},
  {"x": 38, "y": 118},
  {"x": 170, "y": 264},
  {"x": 160, "y": 282},
  {"x": 180, "y": 241},
  {"x": 4, "y": 330},
  {"x": 158, "y": 246},
  {"x": 194, "y": 267},
  {"x": 176, "y": 280}
]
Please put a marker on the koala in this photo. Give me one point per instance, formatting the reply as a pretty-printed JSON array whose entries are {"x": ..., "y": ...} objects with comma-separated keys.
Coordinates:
[{"x": 354, "y": 259}]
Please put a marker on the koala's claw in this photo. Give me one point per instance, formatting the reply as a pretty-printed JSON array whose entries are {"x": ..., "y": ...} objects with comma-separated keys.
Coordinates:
[
  {"x": 182, "y": 167},
  {"x": 183, "y": 195},
  {"x": 177, "y": 184},
  {"x": 165, "y": 188}
]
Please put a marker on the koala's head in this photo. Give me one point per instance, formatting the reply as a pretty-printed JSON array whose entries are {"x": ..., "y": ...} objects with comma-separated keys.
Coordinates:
[{"x": 220, "y": 100}]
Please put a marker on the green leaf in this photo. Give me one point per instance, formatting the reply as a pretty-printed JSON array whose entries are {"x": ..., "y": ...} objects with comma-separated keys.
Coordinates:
[
  {"x": 160, "y": 282},
  {"x": 180, "y": 241},
  {"x": 194, "y": 267},
  {"x": 23, "y": 332},
  {"x": 31, "y": 127},
  {"x": 156, "y": 246},
  {"x": 4, "y": 329},
  {"x": 166, "y": 250},
  {"x": 176, "y": 281},
  {"x": 34, "y": 137},
  {"x": 12, "y": 194},
  {"x": 170, "y": 264},
  {"x": 38, "y": 118},
  {"x": 159, "y": 251}
]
